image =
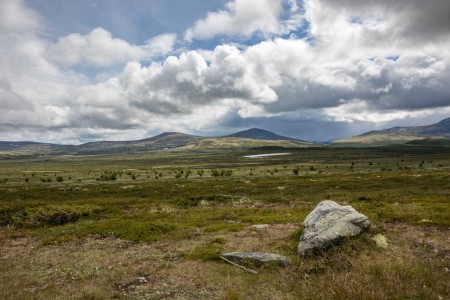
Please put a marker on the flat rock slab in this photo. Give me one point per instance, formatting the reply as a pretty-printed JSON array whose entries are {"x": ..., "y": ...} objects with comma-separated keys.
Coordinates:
[
  {"x": 257, "y": 258},
  {"x": 329, "y": 224}
]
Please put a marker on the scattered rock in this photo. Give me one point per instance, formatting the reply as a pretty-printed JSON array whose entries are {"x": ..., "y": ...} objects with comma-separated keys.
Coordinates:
[
  {"x": 257, "y": 258},
  {"x": 327, "y": 225},
  {"x": 230, "y": 222},
  {"x": 261, "y": 227},
  {"x": 132, "y": 285},
  {"x": 425, "y": 221}
]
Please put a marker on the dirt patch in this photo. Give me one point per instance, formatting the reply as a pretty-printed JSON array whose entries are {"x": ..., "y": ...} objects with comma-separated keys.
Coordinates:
[{"x": 430, "y": 244}]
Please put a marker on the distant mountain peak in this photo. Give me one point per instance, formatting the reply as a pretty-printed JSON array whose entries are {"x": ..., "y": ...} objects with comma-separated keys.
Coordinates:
[
  {"x": 164, "y": 134},
  {"x": 169, "y": 133},
  {"x": 445, "y": 121},
  {"x": 254, "y": 130},
  {"x": 260, "y": 134}
]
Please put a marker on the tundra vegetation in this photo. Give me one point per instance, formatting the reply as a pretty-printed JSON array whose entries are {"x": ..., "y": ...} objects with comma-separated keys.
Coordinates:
[{"x": 152, "y": 225}]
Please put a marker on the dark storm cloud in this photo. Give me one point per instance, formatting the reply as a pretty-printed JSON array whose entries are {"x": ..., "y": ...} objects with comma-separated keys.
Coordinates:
[{"x": 414, "y": 20}]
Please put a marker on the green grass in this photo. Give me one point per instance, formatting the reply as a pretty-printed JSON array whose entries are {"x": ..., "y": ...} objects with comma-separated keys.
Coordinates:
[
  {"x": 139, "y": 199},
  {"x": 208, "y": 251}
]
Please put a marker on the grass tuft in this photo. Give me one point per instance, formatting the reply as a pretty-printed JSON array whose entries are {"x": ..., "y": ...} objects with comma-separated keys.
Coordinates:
[{"x": 207, "y": 252}]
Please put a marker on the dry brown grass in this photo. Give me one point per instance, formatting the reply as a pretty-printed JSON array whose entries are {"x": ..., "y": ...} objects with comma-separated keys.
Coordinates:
[{"x": 415, "y": 265}]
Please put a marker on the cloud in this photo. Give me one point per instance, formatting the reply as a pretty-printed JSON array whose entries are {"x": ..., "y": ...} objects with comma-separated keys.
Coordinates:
[
  {"x": 242, "y": 18},
  {"x": 162, "y": 44},
  {"x": 27, "y": 78},
  {"x": 357, "y": 110},
  {"x": 10, "y": 100},
  {"x": 15, "y": 16},
  {"x": 366, "y": 64},
  {"x": 98, "y": 48},
  {"x": 182, "y": 83},
  {"x": 404, "y": 21},
  {"x": 280, "y": 76}
]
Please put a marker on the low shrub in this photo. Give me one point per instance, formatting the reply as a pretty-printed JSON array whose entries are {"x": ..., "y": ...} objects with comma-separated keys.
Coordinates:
[
  {"x": 126, "y": 229},
  {"x": 208, "y": 251},
  {"x": 49, "y": 215}
]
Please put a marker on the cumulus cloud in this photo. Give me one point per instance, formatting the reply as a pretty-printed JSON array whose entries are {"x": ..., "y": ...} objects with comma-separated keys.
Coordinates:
[
  {"x": 280, "y": 76},
  {"x": 99, "y": 48},
  {"x": 245, "y": 17},
  {"x": 187, "y": 81},
  {"x": 25, "y": 75}
]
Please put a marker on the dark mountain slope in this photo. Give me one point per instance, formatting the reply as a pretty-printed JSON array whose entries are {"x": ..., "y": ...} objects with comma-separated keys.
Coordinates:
[
  {"x": 261, "y": 134},
  {"x": 167, "y": 140}
]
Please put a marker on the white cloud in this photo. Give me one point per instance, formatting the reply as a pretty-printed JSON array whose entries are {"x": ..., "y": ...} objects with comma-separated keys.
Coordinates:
[
  {"x": 359, "y": 110},
  {"x": 100, "y": 49},
  {"x": 245, "y": 17},
  {"x": 15, "y": 16},
  {"x": 24, "y": 70},
  {"x": 184, "y": 82},
  {"x": 160, "y": 45},
  {"x": 279, "y": 76}
]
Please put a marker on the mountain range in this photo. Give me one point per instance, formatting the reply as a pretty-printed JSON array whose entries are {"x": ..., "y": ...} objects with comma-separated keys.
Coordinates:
[
  {"x": 168, "y": 140},
  {"x": 435, "y": 134},
  {"x": 401, "y": 135}
]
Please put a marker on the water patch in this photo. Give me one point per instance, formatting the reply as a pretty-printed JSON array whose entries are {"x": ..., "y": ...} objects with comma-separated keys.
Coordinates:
[{"x": 266, "y": 155}]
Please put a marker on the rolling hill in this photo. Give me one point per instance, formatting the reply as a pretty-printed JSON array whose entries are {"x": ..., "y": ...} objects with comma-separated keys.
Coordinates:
[
  {"x": 169, "y": 140},
  {"x": 241, "y": 143},
  {"x": 166, "y": 140},
  {"x": 32, "y": 147},
  {"x": 441, "y": 128},
  {"x": 400, "y": 135}
]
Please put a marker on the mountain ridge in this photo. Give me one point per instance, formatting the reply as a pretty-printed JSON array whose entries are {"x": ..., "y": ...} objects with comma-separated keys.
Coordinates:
[
  {"x": 253, "y": 137},
  {"x": 442, "y": 128},
  {"x": 400, "y": 135},
  {"x": 163, "y": 141}
]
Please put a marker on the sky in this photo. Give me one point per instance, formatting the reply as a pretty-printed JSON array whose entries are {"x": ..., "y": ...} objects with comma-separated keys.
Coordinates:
[{"x": 79, "y": 71}]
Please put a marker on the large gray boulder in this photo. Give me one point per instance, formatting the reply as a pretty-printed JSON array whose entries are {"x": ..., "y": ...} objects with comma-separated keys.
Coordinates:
[
  {"x": 327, "y": 225},
  {"x": 257, "y": 258}
]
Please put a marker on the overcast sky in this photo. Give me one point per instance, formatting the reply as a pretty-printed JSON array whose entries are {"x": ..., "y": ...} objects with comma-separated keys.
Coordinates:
[{"x": 88, "y": 70}]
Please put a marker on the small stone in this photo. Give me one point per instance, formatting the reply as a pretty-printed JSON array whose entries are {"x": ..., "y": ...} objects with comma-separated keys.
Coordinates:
[
  {"x": 257, "y": 258},
  {"x": 142, "y": 279},
  {"x": 261, "y": 227}
]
